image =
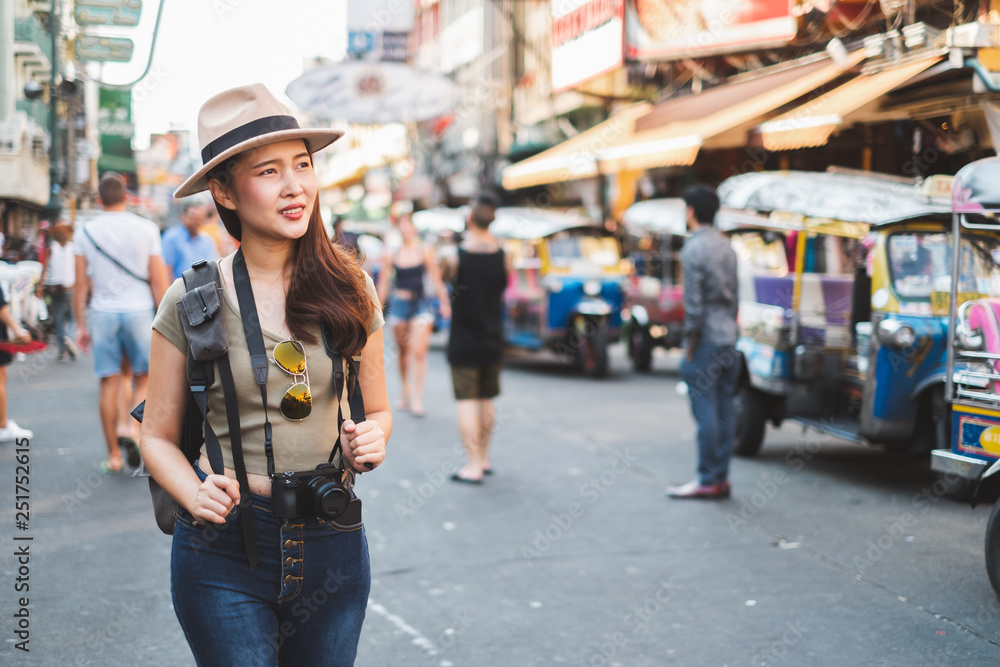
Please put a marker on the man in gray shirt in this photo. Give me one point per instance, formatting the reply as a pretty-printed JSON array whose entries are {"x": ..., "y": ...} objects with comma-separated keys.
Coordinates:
[{"x": 710, "y": 366}]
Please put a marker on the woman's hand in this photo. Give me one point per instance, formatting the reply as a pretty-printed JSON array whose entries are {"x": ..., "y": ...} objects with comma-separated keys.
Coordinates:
[
  {"x": 216, "y": 498},
  {"x": 21, "y": 336},
  {"x": 363, "y": 443}
]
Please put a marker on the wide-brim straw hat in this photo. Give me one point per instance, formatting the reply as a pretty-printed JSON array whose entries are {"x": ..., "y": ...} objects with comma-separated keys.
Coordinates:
[{"x": 242, "y": 118}]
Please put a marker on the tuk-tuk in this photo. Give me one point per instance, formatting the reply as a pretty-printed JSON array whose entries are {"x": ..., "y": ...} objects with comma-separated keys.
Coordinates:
[
  {"x": 973, "y": 391},
  {"x": 973, "y": 379},
  {"x": 841, "y": 332},
  {"x": 565, "y": 287},
  {"x": 654, "y": 295}
]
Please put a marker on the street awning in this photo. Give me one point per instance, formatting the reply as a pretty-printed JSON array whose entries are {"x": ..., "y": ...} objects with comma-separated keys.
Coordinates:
[
  {"x": 677, "y": 143},
  {"x": 577, "y": 156},
  {"x": 812, "y": 123}
]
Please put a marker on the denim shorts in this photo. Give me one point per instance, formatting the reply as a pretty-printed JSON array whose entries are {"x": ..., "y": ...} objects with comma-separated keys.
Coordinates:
[
  {"x": 303, "y": 604},
  {"x": 404, "y": 310},
  {"x": 115, "y": 333}
]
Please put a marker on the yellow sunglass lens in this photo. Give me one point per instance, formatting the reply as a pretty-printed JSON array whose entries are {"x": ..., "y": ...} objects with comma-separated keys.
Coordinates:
[
  {"x": 296, "y": 403},
  {"x": 290, "y": 356}
]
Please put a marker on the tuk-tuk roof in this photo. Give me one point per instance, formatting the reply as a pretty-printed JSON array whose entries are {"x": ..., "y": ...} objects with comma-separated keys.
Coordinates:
[
  {"x": 857, "y": 197},
  {"x": 514, "y": 222},
  {"x": 976, "y": 188},
  {"x": 657, "y": 216}
]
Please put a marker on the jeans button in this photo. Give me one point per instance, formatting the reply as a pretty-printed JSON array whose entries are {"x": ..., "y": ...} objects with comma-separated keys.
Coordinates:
[
  {"x": 288, "y": 578},
  {"x": 289, "y": 561},
  {"x": 289, "y": 544}
]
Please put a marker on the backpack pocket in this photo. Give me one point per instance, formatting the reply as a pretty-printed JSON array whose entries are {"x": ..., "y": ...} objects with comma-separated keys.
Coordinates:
[{"x": 201, "y": 317}]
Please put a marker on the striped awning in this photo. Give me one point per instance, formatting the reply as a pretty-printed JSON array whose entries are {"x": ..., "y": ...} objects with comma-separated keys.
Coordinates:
[{"x": 812, "y": 123}]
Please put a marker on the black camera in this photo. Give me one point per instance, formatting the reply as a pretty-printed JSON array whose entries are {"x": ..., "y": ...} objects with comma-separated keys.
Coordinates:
[{"x": 319, "y": 493}]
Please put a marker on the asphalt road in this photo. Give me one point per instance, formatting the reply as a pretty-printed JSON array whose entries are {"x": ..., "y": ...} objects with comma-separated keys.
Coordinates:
[{"x": 827, "y": 554}]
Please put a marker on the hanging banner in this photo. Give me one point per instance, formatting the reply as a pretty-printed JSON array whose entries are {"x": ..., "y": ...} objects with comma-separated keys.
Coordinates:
[
  {"x": 676, "y": 29},
  {"x": 114, "y": 124}
]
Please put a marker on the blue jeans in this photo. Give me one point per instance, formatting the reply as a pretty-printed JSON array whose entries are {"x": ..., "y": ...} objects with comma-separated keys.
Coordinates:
[
  {"x": 711, "y": 379},
  {"x": 303, "y": 604},
  {"x": 114, "y": 333},
  {"x": 61, "y": 311}
]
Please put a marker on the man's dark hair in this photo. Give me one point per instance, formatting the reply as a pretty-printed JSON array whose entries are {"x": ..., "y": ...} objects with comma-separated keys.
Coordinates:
[
  {"x": 484, "y": 210},
  {"x": 704, "y": 202},
  {"x": 111, "y": 188}
]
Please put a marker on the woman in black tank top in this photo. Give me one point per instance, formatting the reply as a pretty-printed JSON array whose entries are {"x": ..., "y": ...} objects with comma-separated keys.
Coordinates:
[{"x": 411, "y": 313}]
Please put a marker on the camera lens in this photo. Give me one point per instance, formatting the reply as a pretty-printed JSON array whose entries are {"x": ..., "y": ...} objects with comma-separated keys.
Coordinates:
[{"x": 329, "y": 499}]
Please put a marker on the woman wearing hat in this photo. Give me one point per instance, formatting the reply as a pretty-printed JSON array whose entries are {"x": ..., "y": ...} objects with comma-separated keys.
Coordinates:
[{"x": 248, "y": 587}]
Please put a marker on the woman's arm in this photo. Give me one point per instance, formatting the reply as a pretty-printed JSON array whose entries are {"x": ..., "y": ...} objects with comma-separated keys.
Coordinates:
[
  {"x": 163, "y": 420},
  {"x": 365, "y": 442},
  {"x": 20, "y": 335},
  {"x": 384, "y": 278},
  {"x": 435, "y": 272}
]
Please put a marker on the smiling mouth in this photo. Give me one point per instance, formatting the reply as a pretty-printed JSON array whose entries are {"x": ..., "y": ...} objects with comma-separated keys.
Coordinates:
[{"x": 292, "y": 210}]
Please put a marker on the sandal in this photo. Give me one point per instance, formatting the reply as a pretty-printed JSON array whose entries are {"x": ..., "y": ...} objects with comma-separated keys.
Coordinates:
[
  {"x": 109, "y": 469},
  {"x": 131, "y": 450}
]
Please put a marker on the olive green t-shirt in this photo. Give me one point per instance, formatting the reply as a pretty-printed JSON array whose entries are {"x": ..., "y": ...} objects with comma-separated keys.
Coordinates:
[{"x": 297, "y": 445}]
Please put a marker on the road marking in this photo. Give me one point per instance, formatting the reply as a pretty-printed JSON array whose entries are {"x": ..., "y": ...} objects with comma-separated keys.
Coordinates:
[{"x": 418, "y": 639}]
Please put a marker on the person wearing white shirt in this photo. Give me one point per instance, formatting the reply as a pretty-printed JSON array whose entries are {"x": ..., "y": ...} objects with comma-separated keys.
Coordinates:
[
  {"x": 57, "y": 280},
  {"x": 119, "y": 252}
]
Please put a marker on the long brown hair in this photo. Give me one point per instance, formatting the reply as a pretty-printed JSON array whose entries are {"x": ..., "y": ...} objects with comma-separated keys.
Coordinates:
[{"x": 327, "y": 286}]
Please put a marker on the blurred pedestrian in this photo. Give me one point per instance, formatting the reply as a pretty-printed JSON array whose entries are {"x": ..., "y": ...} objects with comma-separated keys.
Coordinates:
[
  {"x": 9, "y": 430},
  {"x": 270, "y": 589},
  {"x": 710, "y": 366},
  {"x": 120, "y": 253},
  {"x": 224, "y": 243},
  {"x": 402, "y": 280},
  {"x": 475, "y": 341},
  {"x": 343, "y": 237},
  {"x": 186, "y": 243},
  {"x": 56, "y": 284}
]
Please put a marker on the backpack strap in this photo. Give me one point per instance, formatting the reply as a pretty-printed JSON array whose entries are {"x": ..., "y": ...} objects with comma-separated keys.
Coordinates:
[
  {"x": 207, "y": 335},
  {"x": 355, "y": 400}
]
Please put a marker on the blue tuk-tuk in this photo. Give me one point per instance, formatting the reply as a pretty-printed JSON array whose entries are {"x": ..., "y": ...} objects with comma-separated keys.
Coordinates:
[
  {"x": 842, "y": 327},
  {"x": 565, "y": 288}
]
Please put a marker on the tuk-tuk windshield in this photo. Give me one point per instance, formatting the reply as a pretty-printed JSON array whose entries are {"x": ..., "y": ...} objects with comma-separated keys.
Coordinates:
[
  {"x": 762, "y": 252},
  {"x": 566, "y": 249},
  {"x": 920, "y": 263}
]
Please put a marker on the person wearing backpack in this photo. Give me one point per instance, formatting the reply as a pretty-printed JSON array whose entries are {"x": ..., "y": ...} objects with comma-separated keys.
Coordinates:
[{"x": 269, "y": 566}]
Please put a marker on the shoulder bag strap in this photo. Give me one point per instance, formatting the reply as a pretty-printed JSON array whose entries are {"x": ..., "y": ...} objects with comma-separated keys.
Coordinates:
[{"x": 112, "y": 259}]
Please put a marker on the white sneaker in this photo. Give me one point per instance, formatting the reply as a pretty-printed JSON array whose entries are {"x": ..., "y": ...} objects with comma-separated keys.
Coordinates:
[
  {"x": 71, "y": 347},
  {"x": 14, "y": 432}
]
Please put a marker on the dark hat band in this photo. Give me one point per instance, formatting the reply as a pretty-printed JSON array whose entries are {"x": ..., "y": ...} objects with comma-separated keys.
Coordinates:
[{"x": 251, "y": 130}]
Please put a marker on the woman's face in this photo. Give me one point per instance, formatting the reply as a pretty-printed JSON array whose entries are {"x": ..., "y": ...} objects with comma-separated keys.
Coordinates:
[
  {"x": 406, "y": 228},
  {"x": 274, "y": 190}
]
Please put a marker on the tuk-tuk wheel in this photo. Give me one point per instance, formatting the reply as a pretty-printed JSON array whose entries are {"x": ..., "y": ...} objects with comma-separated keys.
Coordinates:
[
  {"x": 993, "y": 548},
  {"x": 750, "y": 406},
  {"x": 640, "y": 347}
]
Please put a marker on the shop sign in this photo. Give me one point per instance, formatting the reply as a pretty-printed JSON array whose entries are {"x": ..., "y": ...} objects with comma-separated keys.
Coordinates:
[
  {"x": 394, "y": 46},
  {"x": 588, "y": 39},
  {"x": 695, "y": 28},
  {"x": 107, "y": 12},
  {"x": 103, "y": 49}
]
